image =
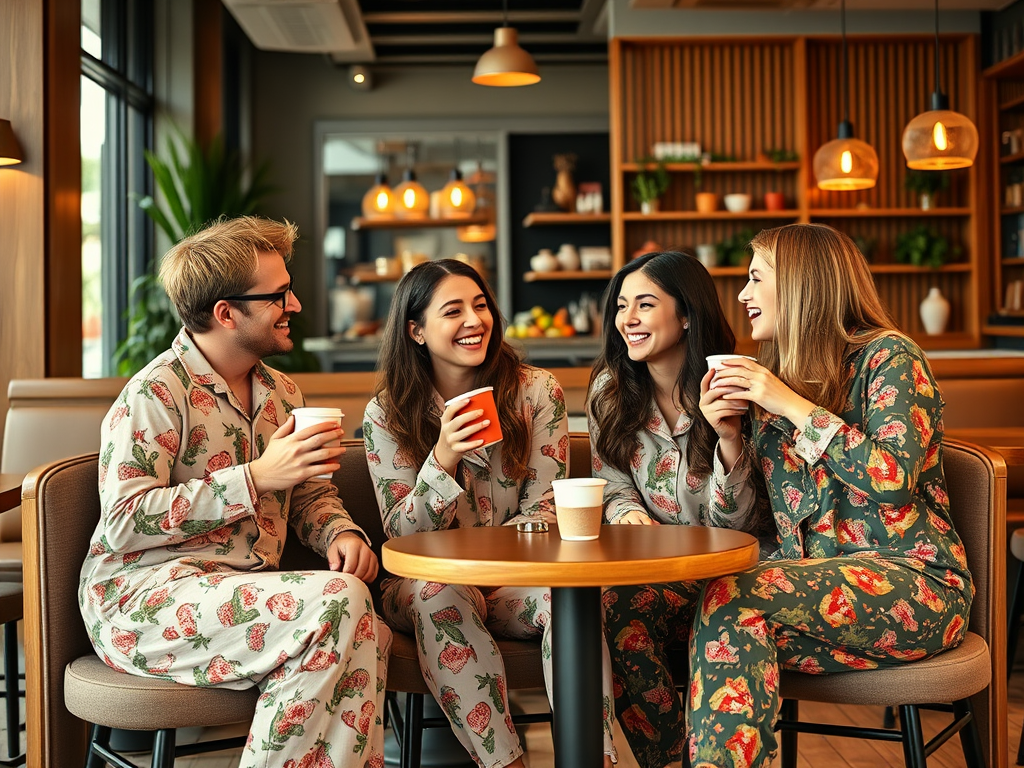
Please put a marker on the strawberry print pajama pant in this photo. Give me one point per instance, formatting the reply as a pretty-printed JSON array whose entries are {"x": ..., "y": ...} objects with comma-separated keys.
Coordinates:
[
  {"x": 310, "y": 640},
  {"x": 646, "y": 626},
  {"x": 461, "y": 665},
  {"x": 815, "y": 616}
]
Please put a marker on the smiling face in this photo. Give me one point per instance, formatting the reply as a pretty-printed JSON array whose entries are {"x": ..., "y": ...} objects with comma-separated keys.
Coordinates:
[
  {"x": 759, "y": 296},
  {"x": 456, "y": 326},
  {"x": 264, "y": 330},
  {"x": 647, "y": 318}
]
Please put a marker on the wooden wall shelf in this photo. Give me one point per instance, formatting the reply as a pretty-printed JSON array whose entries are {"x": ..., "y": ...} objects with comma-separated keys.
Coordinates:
[
  {"x": 1011, "y": 68},
  {"x": 361, "y": 222},
  {"x": 742, "y": 97},
  {"x": 1013, "y": 103},
  {"x": 549, "y": 219},
  {"x": 565, "y": 274},
  {"x": 1014, "y": 158}
]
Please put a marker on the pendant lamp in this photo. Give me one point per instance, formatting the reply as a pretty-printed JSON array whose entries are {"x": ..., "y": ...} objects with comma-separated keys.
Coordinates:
[
  {"x": 845, "y": 163},
  {"x": 458, "y": 201},
  {"x": 10, "y": 150},
  {"x": 940, "y": 139},
  {"x": 411, "y": 199},
  {"x": 379, "y": 200},
  {"x": 506, "y": 64}
]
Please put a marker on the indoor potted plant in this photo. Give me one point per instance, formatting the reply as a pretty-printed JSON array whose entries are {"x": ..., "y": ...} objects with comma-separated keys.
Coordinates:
[
  {"x": 923, "y": 247},
  {"x": 706, "y": 202},
  {"x": 735, "y": 251},
  {"x": 649, "y": 185},
  {"x": 926, "y": 184}
]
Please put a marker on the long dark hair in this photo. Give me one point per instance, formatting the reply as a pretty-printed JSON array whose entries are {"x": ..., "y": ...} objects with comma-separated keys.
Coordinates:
[
  {"x": 623, "y": 405},
  {"x": 405, "y": 382}
]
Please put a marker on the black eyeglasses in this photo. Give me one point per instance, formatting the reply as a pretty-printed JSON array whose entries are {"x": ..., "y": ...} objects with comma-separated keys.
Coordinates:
[{"x": 278, "y": 297}]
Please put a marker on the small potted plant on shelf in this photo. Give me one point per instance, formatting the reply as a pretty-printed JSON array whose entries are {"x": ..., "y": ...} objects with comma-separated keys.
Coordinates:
[
  {"x": 649, "y": 185},
  {"x": 924, "y": 247},
  {"x": 926, "y": 184},
  {"x": 735, "y": 251},
  {"x": 706, "y": 202}
]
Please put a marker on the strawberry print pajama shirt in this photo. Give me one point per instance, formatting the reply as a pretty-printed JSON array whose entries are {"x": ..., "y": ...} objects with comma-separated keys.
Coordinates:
[
  {"x": 180, "y": 581},
  {"x": 454, "y": 624},
  {"x": 870, "y": 572},
  {"x": 644, "y": 622}
]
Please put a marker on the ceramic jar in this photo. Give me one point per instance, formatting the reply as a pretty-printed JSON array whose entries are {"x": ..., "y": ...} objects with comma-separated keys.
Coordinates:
[
  {"x": 707, "y": 253},
  {"x": 544, "y": 261},
  {"x": 568, "y": 257},
  {"x": 934, "y": 312}
]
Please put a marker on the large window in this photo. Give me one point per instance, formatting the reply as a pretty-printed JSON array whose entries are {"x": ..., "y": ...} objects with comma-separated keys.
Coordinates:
[{"x": 117, "y": 126}]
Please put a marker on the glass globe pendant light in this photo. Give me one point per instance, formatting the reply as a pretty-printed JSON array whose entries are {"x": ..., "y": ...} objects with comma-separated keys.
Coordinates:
[
  {"x": 411, "y": 199},
  {"x": 846, "y": 163},
  {"x": 379, "y": 200},
  {"x": 506, "y": 64},
  {"x": 458, "y": 201},
  {"x": 939, "y": 139}
]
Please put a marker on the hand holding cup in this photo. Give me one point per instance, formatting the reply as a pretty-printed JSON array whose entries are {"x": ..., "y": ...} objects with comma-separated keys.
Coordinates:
[
  {"x": 469, "y": 421},
  {"x": 294, "y": 455},
  {"x": 746, "y": 380}
]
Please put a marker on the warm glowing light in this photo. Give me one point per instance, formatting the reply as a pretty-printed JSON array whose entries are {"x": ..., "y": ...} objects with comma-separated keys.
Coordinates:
[
  {"x": 506, "y": 64},
  {"x": 378, "y": 202},
  {"x": 939, "y": 137},
  {"x": 844, "y": 165},
  {"x": 383, "y": 200},
  {"x": 413, "y": 200},
  {"x": 409, "y": 198},
  {"x": 359, "y": 77},
  {"x": 847, "y": 161},
  {"x": 458, "y": 201},
  {"x": 456, "y": 197},
  {"x": 940, "y": 140}
]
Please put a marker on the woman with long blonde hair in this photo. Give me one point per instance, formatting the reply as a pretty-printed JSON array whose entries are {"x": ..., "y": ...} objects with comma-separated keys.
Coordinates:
[{"x": 848, "y": 432}]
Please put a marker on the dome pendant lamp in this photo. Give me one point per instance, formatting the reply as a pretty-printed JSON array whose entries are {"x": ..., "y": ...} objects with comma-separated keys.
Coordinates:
[
  {"x": 940, "y": 139},
  {"x": 506, "y": 64},
  {"x": 845, "y": 164},
  {"x": 411, "y": 199}
]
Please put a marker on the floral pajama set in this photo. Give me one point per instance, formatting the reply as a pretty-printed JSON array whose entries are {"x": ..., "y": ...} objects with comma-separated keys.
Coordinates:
[
  {"x": 454, "y": 624},
  {"x": 180, "y": 582},
  {"x": 643, "y": 623},
  {"x": 870, "y": 572}
]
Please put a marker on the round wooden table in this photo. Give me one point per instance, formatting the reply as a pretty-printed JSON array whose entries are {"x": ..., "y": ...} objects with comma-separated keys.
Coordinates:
[{"x": 575, "y": 571}]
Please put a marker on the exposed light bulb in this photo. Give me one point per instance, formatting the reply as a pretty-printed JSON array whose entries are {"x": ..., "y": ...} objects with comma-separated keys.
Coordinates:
[
  {"x": 409, "y": 198},
  {"x": 456, "y": 196},
  {"x": 939, "y": 136},
  {"x": 383, "y": 200},
  {"x": 359, "y": 77},
  {"x": 846, "y": 162}
]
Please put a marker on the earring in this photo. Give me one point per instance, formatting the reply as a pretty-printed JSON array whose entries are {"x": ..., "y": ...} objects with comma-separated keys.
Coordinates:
[{"x": 686, "y": 326}]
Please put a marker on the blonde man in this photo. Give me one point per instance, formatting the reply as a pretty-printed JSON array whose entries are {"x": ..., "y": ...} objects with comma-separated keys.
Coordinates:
[{"x": 201, "y": 472}]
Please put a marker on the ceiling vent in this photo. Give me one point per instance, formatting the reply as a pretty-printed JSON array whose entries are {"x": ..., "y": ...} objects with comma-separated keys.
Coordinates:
[{"x": 305, "y": 26}]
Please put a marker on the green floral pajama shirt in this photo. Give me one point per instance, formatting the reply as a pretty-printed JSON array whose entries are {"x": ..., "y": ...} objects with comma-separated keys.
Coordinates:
[
  {"x": 181, "y": 578},
  {"x": 454, "y": 624},
  {"x": 870, "y": 572}
]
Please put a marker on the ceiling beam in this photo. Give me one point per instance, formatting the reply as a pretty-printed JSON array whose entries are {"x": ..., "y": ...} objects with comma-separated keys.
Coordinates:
[{"x": 470, "y": 17}]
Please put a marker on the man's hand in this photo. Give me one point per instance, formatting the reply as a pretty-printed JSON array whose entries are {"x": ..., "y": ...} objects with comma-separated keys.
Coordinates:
[
  {"x": 293, "y": 457},
  {"x": 349, "y": 554}
]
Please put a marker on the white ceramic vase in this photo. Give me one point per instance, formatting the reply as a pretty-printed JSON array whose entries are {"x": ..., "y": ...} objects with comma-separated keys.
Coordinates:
[{"x": 934, "y": 312}]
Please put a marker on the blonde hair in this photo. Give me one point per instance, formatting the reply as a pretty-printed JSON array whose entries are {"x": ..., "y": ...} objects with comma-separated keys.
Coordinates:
[
  {"x": 220, "y": 260},
  {"x": 826, "y": 307}
]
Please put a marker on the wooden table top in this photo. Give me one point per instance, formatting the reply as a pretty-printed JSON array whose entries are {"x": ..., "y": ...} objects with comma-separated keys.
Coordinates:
[
  {"x": 624, "y": 554},
  {"x": 10, "y": 490},
  {"x": 1008, "y": 441}
]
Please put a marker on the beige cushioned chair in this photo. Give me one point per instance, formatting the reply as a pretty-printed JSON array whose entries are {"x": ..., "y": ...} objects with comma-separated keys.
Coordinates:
[{"x": 969, "y": 680}]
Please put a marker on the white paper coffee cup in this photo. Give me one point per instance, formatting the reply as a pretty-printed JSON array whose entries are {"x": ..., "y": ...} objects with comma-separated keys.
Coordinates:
[
  {"x": 714, "y": 363},
  {"x": 308, "y": 417},
  {"x": 579, "y": 503}
]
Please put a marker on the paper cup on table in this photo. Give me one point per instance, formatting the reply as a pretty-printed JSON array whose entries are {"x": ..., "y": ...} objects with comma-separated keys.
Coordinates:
[
  {"x": 714, "y": 364},
  {"x": 578, "y": 507},
  {"x": 307, "y": 417},
  {"x": 482, "y": 398}
]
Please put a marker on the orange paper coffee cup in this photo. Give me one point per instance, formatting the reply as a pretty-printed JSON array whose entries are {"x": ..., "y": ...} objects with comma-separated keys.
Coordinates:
[{"x": 482, "y": 398}]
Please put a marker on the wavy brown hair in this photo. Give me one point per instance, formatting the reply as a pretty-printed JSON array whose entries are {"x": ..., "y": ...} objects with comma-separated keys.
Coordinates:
[
  {"x": 405, "y": 384},
  {"x": 826, "y": 307},
  {"x": 623, "y": 405}
]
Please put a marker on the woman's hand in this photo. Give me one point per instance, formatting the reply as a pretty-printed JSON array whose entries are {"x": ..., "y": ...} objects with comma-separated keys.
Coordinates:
[
  {"x": 636, "y": 517},
  {"x": 762, "y": 387},
  {"x": 456, "y": 438},
  {"x": 725, "y": 416}
]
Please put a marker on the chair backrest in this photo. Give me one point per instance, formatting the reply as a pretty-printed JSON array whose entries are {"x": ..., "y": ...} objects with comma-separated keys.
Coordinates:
[
  {"x": 579, "y": 454},
  {"x": 50, "y": 419},
  {"x": 61, "y": 511}
]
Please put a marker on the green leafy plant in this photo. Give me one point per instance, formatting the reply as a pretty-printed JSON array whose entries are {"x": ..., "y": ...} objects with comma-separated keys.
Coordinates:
[
  {"x": 735, "y": 251},
  {"x": 649, "y": 185},
  {"x": 926, "y": 182},
  {"x": 198, "y": 185},
  {"x": 781, "y": 155},
  {"x": 924, "y": 247}
]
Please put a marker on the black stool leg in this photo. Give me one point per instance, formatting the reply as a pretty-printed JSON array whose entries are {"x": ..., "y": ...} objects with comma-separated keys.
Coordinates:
[
  {"x": 101, "y": 738},
  {"x": 970, "y": 739},
  {"x": 913, "y": 738},
  {"x": 163, "y": 748},
  {"x": 790, "y": 710},
  {"x": 412, "y": 733},
  {"x": 889, "y": 718},
  {"x": 12, "y": 695},
  {"x": 1013, "y": 621}
]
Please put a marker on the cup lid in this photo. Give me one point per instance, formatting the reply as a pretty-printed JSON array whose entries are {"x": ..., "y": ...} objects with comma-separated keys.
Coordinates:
[{"x": 467, "y": 395}]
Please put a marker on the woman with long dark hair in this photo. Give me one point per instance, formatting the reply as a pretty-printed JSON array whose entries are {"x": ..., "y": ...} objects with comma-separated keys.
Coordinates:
[
  {"x": 672, "y": 451},
  {"x": 444, "y": 337}
]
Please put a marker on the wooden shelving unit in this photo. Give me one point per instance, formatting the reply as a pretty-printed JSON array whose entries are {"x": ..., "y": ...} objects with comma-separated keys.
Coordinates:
[
  {"x": 740, "y": 97},
  {"x": 566, "y": 274},
  {"x": 361, "y": 222},
  {"x": 543, "y": 219}
]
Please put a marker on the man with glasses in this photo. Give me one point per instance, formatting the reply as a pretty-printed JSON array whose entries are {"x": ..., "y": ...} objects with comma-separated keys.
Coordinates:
[{"x": 201, "y": 472}]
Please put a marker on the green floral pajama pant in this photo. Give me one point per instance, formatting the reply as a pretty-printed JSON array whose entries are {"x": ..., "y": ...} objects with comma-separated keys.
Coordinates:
[
  {"x": 645, "y": 626},
  {"x": 814, "y": 616},
  {"x": 461, "y": 664},
  {"x": 309, "y": 640}
]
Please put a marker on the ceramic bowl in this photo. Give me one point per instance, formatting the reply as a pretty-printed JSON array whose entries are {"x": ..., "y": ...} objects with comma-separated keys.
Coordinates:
[
  {"x": 544, "y": 262},
  {"x": 738, "y": 202}
]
